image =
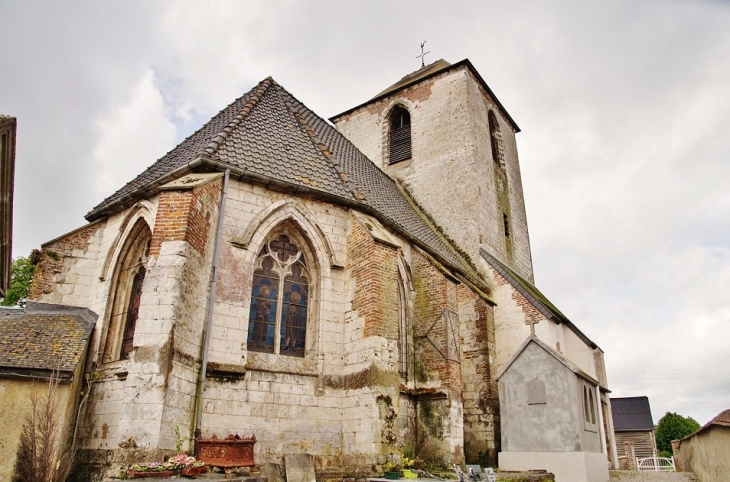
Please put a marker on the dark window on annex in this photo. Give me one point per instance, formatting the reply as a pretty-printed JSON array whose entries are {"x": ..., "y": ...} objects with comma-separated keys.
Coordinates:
[{"x": 400, "y": 135}]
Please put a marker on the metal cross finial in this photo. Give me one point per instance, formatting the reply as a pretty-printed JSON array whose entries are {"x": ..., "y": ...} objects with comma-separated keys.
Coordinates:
[{"x": 423, "y": 54}]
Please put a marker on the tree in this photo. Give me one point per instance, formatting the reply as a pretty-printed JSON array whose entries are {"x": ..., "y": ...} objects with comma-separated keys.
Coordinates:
[
  {"x": 673, "y": 426},
  {"x": 21, "y": 275}
]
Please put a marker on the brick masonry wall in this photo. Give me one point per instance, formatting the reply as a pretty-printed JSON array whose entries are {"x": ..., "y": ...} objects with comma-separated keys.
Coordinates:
[
  {"x": 374, "y": 270},
  {"x": 481, "y": 400}
]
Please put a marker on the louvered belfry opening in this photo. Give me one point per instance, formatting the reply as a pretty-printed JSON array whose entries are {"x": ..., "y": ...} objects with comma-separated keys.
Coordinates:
[{"x": 400, "y": 135}]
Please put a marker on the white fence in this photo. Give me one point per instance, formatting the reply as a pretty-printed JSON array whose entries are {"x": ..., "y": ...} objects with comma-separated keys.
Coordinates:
[{"x": 655, "y": 464}]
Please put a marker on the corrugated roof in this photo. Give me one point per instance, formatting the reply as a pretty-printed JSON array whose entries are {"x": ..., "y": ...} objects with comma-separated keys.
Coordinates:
[
  {"x": 43, "y": 337},
  {"x": 631, "y": 414},
  {"x": 269, "y": 136}
]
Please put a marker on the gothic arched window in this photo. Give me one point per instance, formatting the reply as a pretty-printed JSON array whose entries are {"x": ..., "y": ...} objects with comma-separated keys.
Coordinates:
[
  {"x": 400, "y": 135},
  {"x": 280, "y": 299},
  {"x": 126, "y": 294}
]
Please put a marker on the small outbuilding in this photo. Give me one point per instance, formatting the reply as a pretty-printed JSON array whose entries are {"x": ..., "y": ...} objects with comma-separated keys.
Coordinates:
[
  {"x": 632, "y": 422},
  {"x": 37, "y": 342},
  {"x": 550, "y": 416}
]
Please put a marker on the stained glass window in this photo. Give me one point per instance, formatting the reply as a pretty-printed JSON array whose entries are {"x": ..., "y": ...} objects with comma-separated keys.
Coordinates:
[{"x": 279, "y": 299}]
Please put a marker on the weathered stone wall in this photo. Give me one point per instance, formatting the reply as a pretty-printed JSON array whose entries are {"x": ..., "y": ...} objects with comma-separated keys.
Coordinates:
[
  {"x": 451, "y": 170},
  {"x": 67, "y": 268}
]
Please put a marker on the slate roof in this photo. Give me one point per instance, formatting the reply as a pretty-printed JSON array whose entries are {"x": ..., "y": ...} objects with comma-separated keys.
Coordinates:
[
  {"x": 42, "y": 337},
  {"x": 631, "y": 414},
  {"x": 268, "y": 136},
  {"x": 534, "y": 296}
]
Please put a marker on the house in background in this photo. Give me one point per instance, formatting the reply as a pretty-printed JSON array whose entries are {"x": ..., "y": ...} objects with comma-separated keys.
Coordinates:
[
  {"x": 39, "y": 341},
  {"x": 632, "y": 422},
  {"x": 7, "y": 174}
]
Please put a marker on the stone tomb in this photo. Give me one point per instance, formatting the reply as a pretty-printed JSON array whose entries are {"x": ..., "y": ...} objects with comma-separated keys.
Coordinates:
[{"x": 550, "y": 416}]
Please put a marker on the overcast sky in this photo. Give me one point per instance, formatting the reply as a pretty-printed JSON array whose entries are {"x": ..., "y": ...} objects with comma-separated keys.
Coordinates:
[{"x": 625, "y": 145}]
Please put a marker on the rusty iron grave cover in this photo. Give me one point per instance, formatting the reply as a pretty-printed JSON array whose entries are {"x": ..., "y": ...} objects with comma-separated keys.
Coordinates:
[{"x": 232, "y": 451}]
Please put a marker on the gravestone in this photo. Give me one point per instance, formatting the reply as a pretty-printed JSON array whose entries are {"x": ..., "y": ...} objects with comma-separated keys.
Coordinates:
[
  {"x": 491, "y": 476},
  {"x": 299, "y": 468},
  {"x": 272, "y": 472}
]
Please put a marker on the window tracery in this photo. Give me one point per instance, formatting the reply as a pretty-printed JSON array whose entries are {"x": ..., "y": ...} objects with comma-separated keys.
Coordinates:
[{"x": 280, "y": 299}]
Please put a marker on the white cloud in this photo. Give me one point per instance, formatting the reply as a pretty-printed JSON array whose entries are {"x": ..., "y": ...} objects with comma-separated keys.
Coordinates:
[{"x": 131, "y": 137}]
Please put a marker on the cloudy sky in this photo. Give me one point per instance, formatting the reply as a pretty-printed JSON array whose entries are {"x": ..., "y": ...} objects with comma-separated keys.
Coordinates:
[{"x": 625, "y": 148}]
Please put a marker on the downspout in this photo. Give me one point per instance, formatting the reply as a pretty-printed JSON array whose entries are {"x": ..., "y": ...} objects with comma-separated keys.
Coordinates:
[{"x": 209, "y": 318}]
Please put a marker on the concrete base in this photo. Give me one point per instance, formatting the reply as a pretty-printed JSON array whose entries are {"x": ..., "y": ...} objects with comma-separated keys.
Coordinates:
[{"x": 567, "y": 466}]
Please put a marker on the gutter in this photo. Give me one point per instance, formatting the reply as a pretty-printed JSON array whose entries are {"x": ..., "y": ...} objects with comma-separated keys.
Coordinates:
[{"x": 209, "y": 318}]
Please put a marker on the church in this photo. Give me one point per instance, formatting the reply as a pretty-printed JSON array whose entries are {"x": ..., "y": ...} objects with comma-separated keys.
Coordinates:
[{"x": 350, "y": 289}]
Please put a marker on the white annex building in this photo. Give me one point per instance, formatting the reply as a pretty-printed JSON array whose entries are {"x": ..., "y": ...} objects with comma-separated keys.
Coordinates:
[{"x": 348, "y": 289}]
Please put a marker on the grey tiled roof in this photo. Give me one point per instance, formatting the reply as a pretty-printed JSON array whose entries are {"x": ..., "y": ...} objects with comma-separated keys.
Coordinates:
[
  {"x": 631, "y": 414},
  {"x": 269, "y": 134},
  {"x": 43, "y": 337}
]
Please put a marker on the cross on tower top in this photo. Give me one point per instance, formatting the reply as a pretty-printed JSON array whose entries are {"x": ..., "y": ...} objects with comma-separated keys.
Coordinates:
[{"x": 423, "y": 54}]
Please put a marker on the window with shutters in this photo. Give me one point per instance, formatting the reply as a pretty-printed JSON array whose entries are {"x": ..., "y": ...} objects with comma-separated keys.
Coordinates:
[
  {"x": 280, "y": 297},
  {"x": 126, "y": 293},
  {"x": 400, "y": 135}
]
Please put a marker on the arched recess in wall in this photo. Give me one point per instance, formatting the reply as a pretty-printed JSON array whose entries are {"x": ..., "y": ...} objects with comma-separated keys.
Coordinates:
[
  {"x": 500, "y": 180},
  {"x": 406, "y": 351},
  {"x": 125, "y": 293},
  {"x": 399, "y": 135},
  {"x": 279, "y": 212},
  {"x": 284, "y": 287},
  {"x": 143, "y": 209}
]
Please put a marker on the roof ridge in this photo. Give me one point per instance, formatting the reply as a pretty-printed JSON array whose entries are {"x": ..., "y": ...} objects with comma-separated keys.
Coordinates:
[
  {"x": 220, "y": 138},
  {"x": 318, "y": 143}
]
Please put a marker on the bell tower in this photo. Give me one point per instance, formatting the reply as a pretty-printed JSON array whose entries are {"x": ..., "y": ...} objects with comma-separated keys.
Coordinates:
[{"x": 442, "y": 133}]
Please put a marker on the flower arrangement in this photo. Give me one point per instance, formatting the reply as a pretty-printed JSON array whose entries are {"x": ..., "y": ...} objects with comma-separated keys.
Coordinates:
[
  {"x": 390, "y": 466},
  {"x": 178, "y": 462}
]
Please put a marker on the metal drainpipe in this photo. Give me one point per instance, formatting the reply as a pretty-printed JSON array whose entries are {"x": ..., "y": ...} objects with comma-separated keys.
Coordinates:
[{"x": 209, "y": 317}]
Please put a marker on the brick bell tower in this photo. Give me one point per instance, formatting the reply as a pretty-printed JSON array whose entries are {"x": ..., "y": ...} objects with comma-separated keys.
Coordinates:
[{"x": 443, "y": 134}]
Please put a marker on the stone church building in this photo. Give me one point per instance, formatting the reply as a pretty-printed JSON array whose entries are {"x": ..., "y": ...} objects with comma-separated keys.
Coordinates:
[{"x": 348, "y": 289}]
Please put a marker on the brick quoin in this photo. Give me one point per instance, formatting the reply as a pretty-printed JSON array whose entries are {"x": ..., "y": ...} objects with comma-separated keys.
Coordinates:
[
  {"x": 186, "y": 216},
  {"x": 375, "y": 271}
]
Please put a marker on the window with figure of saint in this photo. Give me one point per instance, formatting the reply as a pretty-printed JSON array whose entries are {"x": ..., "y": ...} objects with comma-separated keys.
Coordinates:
[{"x": 279, "y": 299}]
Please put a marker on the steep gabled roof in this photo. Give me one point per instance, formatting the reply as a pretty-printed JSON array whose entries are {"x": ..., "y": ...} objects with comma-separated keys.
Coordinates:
[
  {"x": 43, "y": 338},
  {"x": 631, "y": 414},
  {"x": 534, "y": 296},
  {"x": 268, "y": 136}
]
